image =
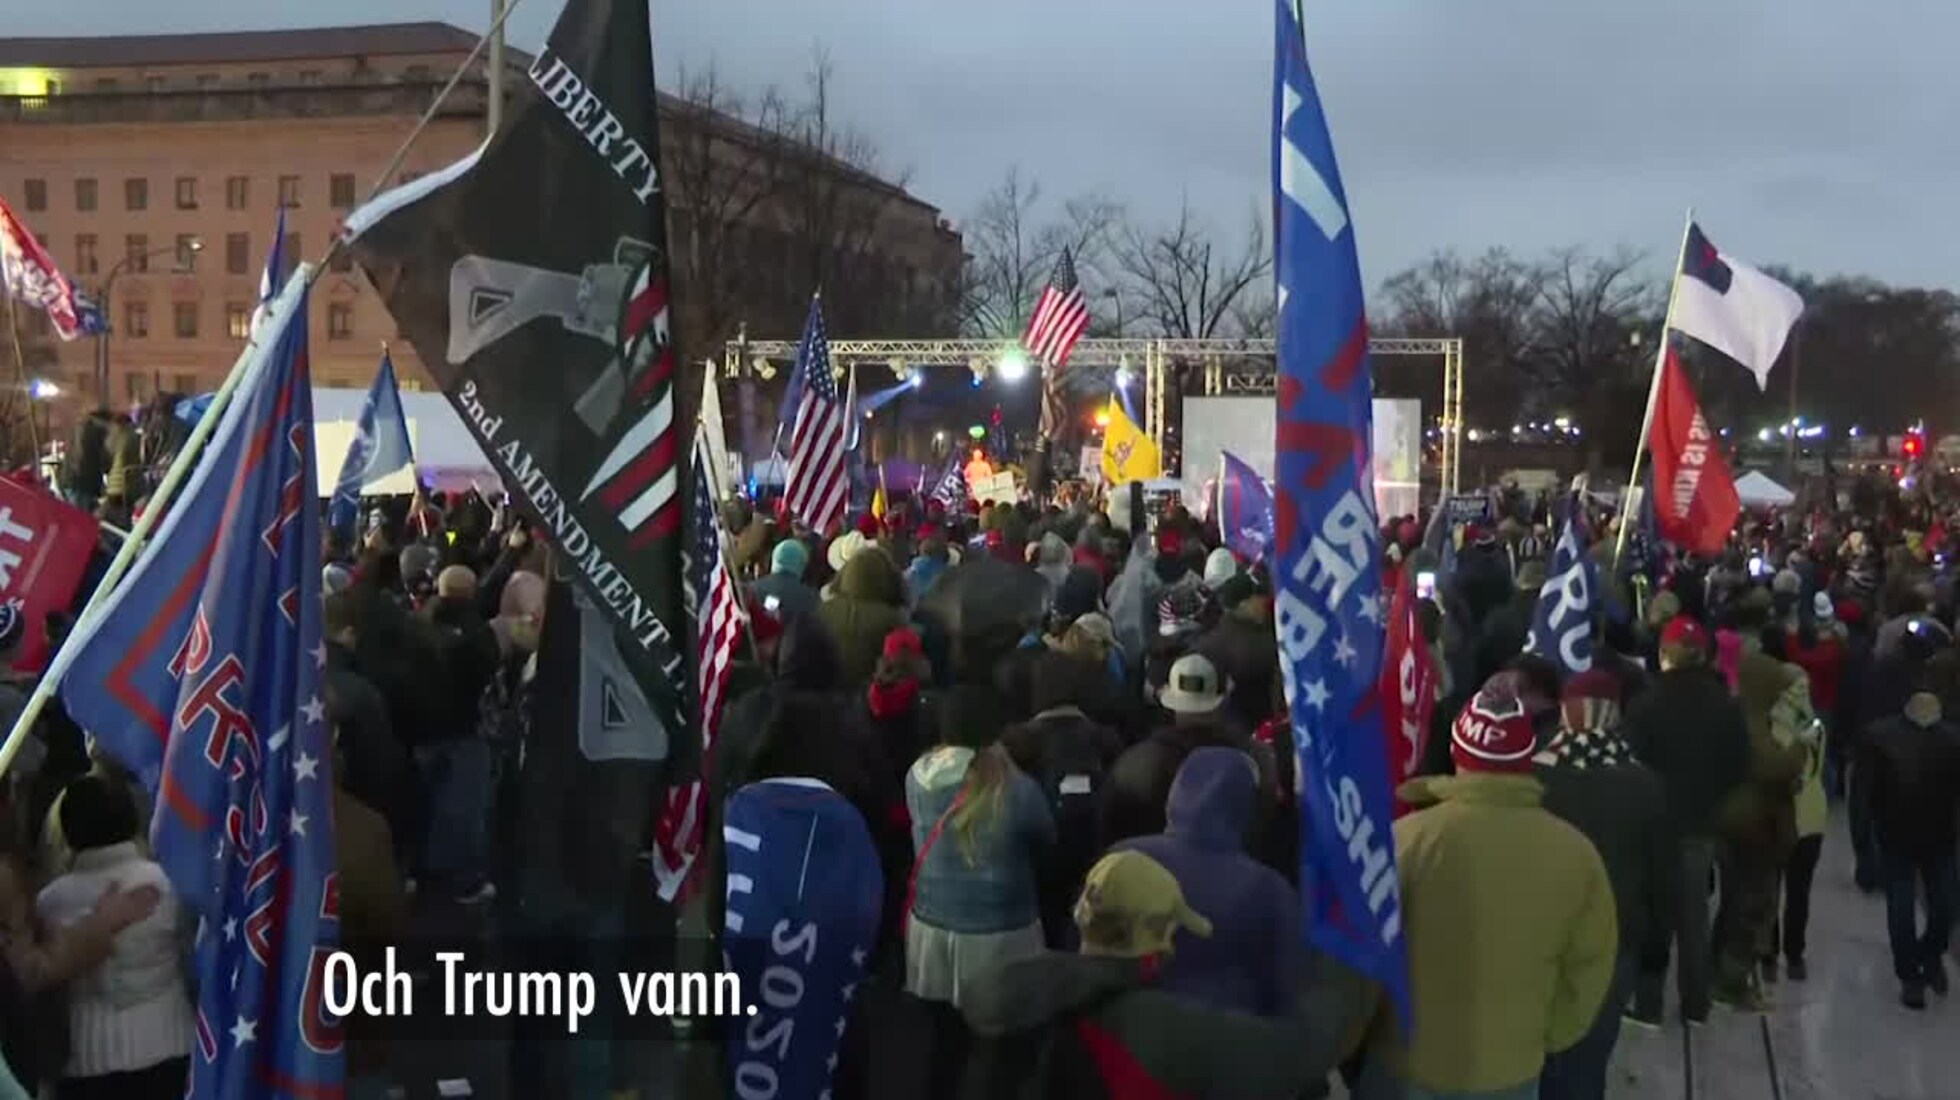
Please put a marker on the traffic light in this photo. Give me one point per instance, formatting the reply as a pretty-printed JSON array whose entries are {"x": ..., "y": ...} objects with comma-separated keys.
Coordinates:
[{"x": 1915, "y": 445}]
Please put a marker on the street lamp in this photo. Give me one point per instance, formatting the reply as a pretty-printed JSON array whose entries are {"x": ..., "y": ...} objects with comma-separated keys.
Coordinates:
[{"x": 108, "y": 313}]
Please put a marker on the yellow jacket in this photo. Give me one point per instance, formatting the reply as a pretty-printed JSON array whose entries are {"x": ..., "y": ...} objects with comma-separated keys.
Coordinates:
[{"x": 1511, "y": 928}]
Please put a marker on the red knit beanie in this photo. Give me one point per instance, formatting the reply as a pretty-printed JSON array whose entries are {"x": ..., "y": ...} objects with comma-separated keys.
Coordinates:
[{"x": 1493, "y": 734}]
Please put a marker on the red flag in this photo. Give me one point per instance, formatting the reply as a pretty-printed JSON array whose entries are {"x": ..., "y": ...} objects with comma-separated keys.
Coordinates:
[
  {"x": 1695, "y": 502},
  {"x": 45, "y": 547},
  {"x": 1408, "y": 687}
]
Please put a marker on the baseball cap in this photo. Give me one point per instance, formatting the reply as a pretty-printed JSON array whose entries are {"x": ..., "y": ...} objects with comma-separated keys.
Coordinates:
[
  {"x": 1684, "y": 631},
  {"x": 1192, "y": 687},
  {"x": 1131, "y": 904}
]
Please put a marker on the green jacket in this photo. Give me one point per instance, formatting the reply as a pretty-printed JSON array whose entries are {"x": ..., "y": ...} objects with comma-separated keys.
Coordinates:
[
  {"x": 1511, "y": 932},
  {"x": 1763, "y": 810}
]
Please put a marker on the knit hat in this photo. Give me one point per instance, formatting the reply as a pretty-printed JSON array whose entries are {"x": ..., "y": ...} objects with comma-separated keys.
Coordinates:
[
  {"x": 1494, "y": 733},
  {"x": 902, "y": 642},
  {"x": 1180, "y": 612},
  {"x": 867, "y": 525},
  {"x": 1220, "y": 567},
  {"x": 1132, "y": 905},
  {"x": 335, "y": 578},
  {"x": 1820, "y": 606},
  {"x": 1787, "y": 583},
  {"x": 1079, "y": 594},
  {"x": 790, "y": 557},
  {"x": 1591, "y": 701}
]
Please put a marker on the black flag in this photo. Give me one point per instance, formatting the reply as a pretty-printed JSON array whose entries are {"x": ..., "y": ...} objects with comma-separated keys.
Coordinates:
[{"x": 532, "y": 278}]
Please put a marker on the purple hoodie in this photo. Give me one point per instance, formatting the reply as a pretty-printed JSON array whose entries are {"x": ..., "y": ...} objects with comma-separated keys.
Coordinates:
[{"x": 1252, "y": 960}]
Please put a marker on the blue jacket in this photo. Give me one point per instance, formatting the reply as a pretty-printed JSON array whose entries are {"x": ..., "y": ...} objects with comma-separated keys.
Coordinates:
[
  {"x": 996, "y": 892},
  {"x": 1252, "y": 960}
]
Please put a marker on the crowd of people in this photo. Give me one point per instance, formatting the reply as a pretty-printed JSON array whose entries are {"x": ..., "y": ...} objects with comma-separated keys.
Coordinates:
[{"x": 1065, "y": 728}]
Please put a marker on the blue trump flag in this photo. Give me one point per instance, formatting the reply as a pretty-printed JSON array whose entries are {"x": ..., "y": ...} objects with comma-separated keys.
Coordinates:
[
  {"x": 273, "y": 278},
  {"x": 804, "y": 891},
  {"x": 1245, "y": 509},
  {"x": 1562, "y": 627},
  {"x": 201, "y": 674},
  {"x": 1327, "y": 544},
  {"x": 380, "y": 447}
]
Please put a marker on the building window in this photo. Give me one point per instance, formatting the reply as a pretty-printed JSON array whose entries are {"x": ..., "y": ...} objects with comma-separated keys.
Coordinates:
[
  {"x": 37, "y": 194},
  {"x": 409, "y": 385},
  {"x": 136, "y": 252},
  {"x": 187, "y": 192},
  {"x": 340, "y": 321},
  {"x": 238, "y": 192},
  {"x": 238, "y": 321},
  {"x": 155, "y": 84},
  {"x": 185, "y": 383},
  {"x": 238, "y": 253},
  {"x": 289, "y": 191},
  {"x": 137, "y": 386},
  {"x": 416, "y": 74},
  {"x": 309, "y": 77},
  {"x": 85, "y": 194},
  {"x": 136, "y": 320},
  {"x": 186, "y": 316},
  {"x": 289, "y": 254},
  {"x": 85, "y": 263},
  {"x": 341, "y": 189},
  {"x": 187, "y": 252},
  {"x": 258, "y": 80},
  {"x": 207, "y": 80},
  {"x": 136, "y": 194},
  {"x": 107, "y": 84}
]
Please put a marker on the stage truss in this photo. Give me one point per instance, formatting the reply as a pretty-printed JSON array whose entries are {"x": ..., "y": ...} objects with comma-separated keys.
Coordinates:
[{"x": 1231, "y": 368}]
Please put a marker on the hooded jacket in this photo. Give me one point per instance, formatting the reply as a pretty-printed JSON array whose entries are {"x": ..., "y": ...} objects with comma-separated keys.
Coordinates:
[
  {"x": 869, "y": 604},
  {"x": 1774, "y": 696},
  {"x": 1251, "y": 961},
  {"x": 1622, "y": 809},
  {"x": 1186, "y": 1048},
  {"x": 1689, "y": 729},
  {"x": 1912, "y": 773},
  {"x": 1141, "y": 779},
  {"x": 1512, "y": 937}
]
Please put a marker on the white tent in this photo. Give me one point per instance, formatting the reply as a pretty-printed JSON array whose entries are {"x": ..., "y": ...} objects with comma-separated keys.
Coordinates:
[
  {"x": 446, "y": 454},
  {"x": 1758, "y": 491}
]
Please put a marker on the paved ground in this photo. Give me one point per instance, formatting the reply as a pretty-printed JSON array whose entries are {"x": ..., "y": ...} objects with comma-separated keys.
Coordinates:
[{"x": 1840, "y": 1036}]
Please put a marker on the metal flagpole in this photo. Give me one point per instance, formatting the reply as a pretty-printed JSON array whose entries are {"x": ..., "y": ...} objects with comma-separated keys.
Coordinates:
[
  {"x": 1653, "y": 394},
  {"x": 495, "y": 111}
]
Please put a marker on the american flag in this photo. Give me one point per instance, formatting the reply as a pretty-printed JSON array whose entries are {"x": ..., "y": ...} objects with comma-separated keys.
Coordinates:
[
  {"x": 274, "y": 275},
  {"x": 818, "y": 486},
  {"x": 202, "y": 676},
  {"x": 1060, "y": 318},
  {"x": 718, "y": 627}
]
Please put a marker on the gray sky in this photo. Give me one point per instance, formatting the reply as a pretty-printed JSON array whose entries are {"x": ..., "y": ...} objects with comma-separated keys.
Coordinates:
[{"x": 1810, "y": 132}]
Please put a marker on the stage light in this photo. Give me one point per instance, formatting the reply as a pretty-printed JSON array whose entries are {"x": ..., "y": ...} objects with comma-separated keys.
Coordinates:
[
  {"x": 1012, "y": 366},
  {"x": 1124, "y": 376},
  {"x": 45, "y": 390},
  {"x": 1102, "y": 419}
]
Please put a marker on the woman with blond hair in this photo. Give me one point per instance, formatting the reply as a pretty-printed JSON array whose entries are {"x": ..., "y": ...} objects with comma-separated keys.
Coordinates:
[{"x": 980, "y": 828}]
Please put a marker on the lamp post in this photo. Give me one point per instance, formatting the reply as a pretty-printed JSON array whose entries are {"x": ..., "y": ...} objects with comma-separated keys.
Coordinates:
[{"x": 108, "y": 313}]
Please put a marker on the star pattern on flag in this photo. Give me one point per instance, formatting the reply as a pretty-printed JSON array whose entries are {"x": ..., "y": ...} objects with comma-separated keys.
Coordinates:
[
  {"x": 314, "y": 710},
  {"x": 305, "y": 767},
  {"x": 1372, "y": 611},
  {"x": 1317, "y": 694},
  {"x": 245, "y": 1030},
  {"x": 1343, "y": 649}
]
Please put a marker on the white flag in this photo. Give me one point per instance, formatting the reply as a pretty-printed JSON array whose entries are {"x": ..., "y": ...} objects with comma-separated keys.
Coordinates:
[{"x": 1732, "y": 307}]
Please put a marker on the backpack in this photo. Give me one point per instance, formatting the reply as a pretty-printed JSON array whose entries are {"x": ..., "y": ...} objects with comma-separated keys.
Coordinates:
[{"x": 1079, "y": 1059}]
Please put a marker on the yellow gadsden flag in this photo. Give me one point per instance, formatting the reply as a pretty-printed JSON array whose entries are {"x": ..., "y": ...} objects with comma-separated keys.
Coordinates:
[
  {"x": 878, "y": 504},
  {"x": 1128, "y": 454}
]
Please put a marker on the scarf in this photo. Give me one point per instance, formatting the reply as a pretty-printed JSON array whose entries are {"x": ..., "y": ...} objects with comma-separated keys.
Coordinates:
[{"x": 1588, "y": 739}]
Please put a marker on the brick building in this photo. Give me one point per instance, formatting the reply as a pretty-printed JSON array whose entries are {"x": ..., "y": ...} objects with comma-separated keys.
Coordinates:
[{"x": 153, "y": 167}]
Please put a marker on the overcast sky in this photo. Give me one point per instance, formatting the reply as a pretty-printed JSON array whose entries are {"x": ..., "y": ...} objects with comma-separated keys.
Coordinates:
[{"x": 1810, "y": 132}]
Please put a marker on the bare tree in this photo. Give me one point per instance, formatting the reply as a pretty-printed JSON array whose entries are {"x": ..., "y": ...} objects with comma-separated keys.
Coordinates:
[
  {"x": 1184, "y": 283},
  {"x": 1489, "y": 302},
  {"x": 1588, "y": 310},
  {"x": 1012, "y": 251},
  {"x": 724, "y": 159}
]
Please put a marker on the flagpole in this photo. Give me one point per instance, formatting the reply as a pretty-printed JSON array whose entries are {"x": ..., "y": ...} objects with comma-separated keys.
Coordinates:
[
  {"x": 1653, "y": 392},
  {"x": 187, "y": 460}
]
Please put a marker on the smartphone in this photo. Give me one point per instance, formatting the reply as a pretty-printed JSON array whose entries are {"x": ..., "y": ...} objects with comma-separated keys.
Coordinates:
[
  {"x": 1758, "y": 567},
  {"x": 1425, "y": 585}
]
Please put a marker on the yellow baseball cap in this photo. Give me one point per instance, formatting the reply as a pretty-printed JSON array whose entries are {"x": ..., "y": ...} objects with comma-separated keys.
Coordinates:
[{"x": 1131, "y": 904}]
